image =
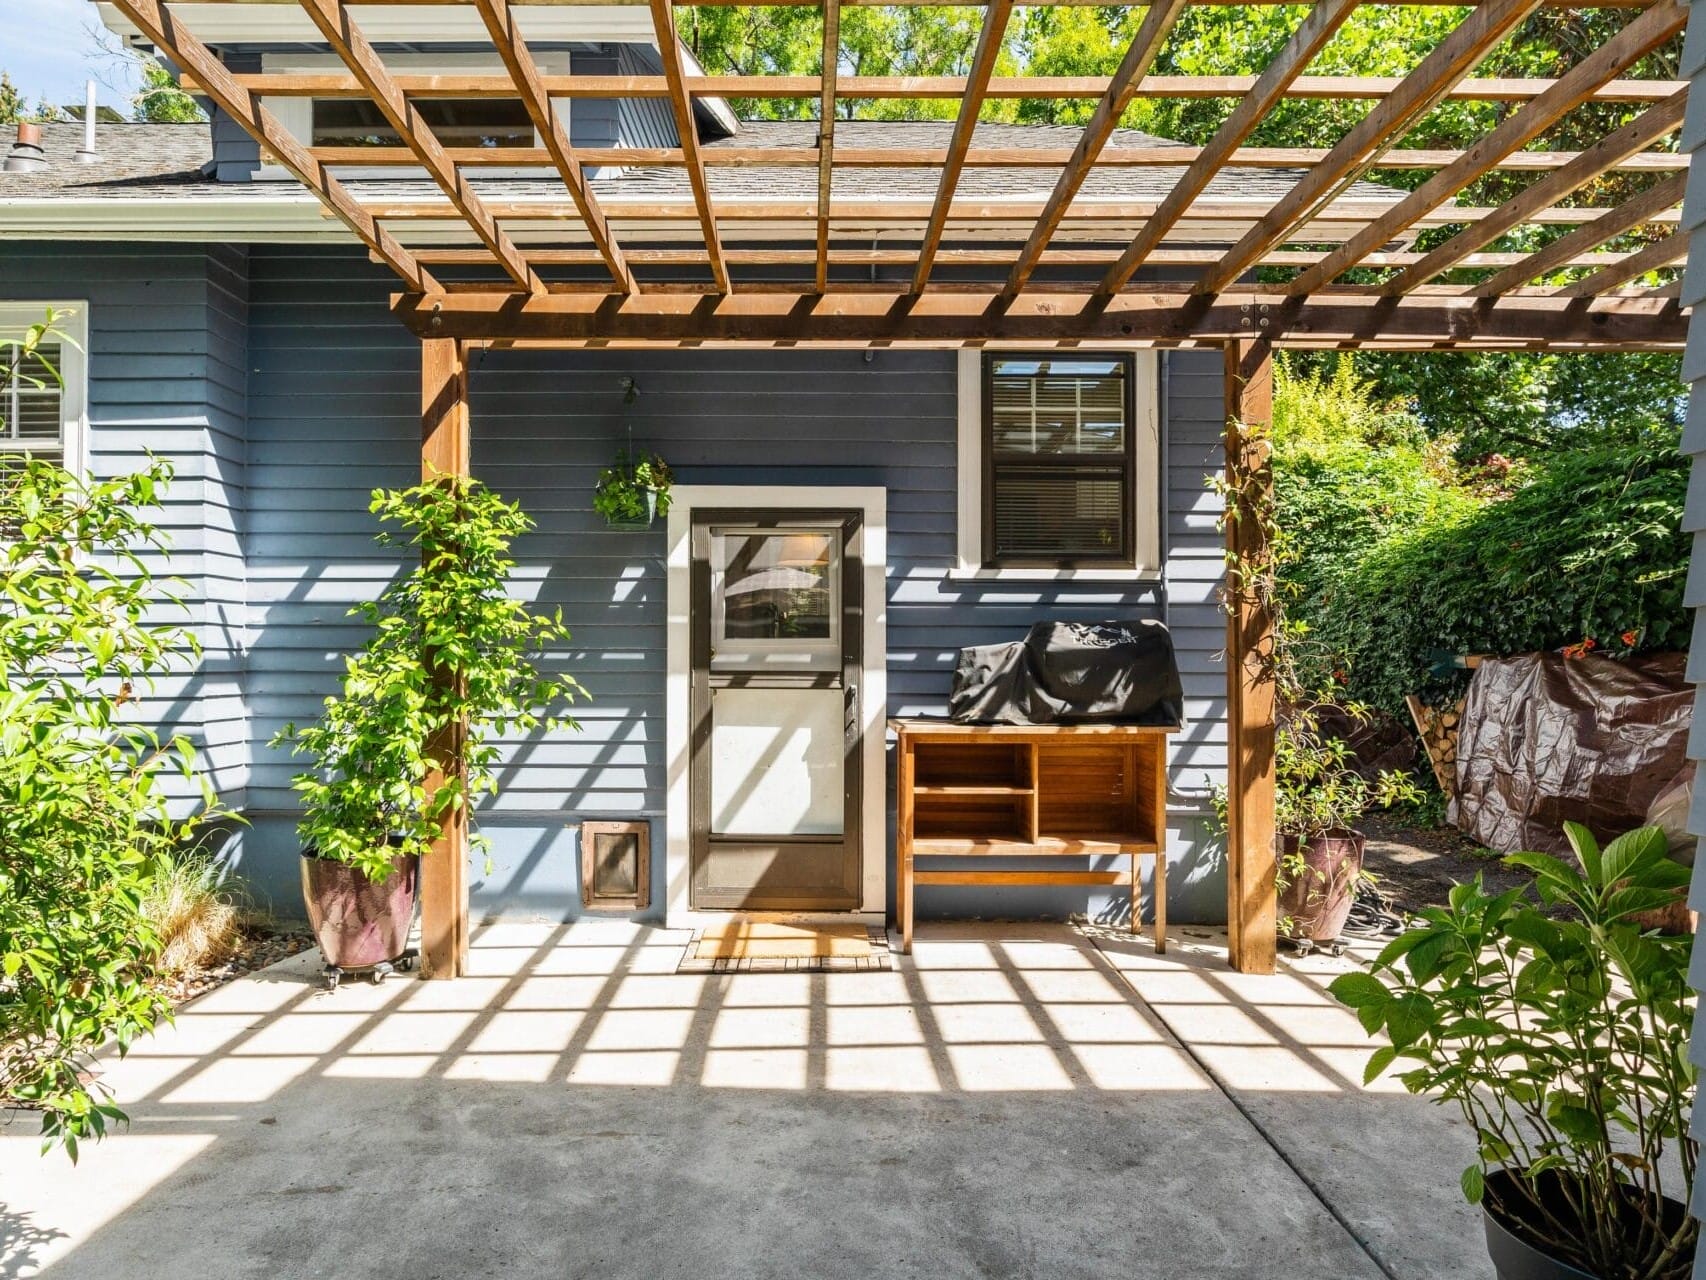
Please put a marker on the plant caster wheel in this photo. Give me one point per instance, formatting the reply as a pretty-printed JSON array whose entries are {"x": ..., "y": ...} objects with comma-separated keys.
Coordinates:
[
  {"x": 381, "y": 971},
  {"x": 332, "y": 975},
  {"x": 1304, "y": 946},
  {"x": 406, "y": 962}
]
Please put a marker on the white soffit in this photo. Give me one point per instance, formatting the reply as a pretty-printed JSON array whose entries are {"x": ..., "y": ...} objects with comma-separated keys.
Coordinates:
[{"x": 395, "y": 23}]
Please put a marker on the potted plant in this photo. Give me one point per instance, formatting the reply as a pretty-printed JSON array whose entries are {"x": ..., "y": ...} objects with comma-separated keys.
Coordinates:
[
  {"x": 633, "y": 491},
  {"x": 1318, "y": 798},
  {"x": 450, "y": 648},
  {"x": 1560, "y": 1029}
]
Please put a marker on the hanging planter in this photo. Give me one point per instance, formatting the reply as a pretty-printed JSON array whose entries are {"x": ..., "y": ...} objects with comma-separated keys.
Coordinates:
[{"x": 633, "y": 492}]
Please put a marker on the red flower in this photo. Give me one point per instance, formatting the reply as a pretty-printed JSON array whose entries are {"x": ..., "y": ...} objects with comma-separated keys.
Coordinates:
[
  {"x": 1580, "y": 648},
  {"x": 1631, "y": 638}
]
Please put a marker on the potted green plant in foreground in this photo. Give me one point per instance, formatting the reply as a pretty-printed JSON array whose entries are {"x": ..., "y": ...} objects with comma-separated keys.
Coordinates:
[
  {"x": 1561, "y": 1031},
  {"x": 633, "y": 491},
  {"x": 449, "y": 648}
]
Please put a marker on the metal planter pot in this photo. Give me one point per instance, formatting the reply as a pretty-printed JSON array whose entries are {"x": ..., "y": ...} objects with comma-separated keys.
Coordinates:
[
  {"x": 359, "y": 924},
  {"x": 1317, "y": 902},
  {"x": 1514, "y": 1258}
]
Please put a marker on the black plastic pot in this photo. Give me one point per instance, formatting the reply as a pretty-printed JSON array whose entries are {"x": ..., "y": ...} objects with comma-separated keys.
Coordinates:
[
  {"x": 359, "y": 924},
  {"x": 1514, "y": 1258}
]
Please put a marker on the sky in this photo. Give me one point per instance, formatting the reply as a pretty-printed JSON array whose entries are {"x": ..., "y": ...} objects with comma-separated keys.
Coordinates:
[{"x": 50, "y": 47}]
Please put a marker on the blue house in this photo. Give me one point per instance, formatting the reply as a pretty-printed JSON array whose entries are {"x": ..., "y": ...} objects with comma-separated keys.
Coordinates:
[
  {"x": 230, "y": 289},
  {"x": 228, "y": 328}
]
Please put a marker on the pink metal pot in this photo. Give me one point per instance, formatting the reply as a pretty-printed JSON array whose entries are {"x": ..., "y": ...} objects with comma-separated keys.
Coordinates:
[
  {"x": 1317, "y": 902},
  {"x": 358, "y": 923}
]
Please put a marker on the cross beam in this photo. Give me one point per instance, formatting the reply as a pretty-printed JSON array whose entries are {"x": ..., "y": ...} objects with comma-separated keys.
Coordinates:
[{"x": 978, "y": 316}]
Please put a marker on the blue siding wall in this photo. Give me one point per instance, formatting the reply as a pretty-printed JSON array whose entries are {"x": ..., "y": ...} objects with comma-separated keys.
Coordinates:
[
  {"x": 299, "y": 395},
  {"x": 166, "y": 361}
]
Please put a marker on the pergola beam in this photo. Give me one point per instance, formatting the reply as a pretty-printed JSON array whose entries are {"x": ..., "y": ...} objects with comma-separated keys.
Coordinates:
[
  {"x": 687, "y": 132},
  {"x": 974, "y": 317},
  {"x": 525, "y": 81},
  {"x": 984, "y": 58},
  {"x": 156, "y": 22},
  {"x": 1631, "y": 213},
  {"x": 1651, "y": 124},
  {"x": 1432, "y": 81},
  {"x": 1315, "y": 30},
  {"x": 1651, "y": 29},
  {"x": 333, "y": 19},
  {"x": 279, "y": 84},
  {"x": 1158, "y": 20}
]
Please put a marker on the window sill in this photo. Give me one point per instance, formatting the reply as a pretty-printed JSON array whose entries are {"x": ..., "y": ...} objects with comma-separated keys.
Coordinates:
[{"x": 967, "y": 573}]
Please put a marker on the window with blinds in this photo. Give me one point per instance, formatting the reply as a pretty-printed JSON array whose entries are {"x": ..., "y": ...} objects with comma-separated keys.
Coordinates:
[
  {"x": 1058, "y": 459},
  {"x": 32, "y": 403}
]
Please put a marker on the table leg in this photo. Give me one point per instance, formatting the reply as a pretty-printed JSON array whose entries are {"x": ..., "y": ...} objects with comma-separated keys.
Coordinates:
[{"x": 1161, "y": 903}]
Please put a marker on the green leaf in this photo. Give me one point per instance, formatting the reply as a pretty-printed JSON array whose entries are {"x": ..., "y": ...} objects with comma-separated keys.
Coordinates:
[
  {"x": 1474, "y": 1184},
  {"x": 1358, "y": 989},
  {"x": 1381, "y": 1059}
]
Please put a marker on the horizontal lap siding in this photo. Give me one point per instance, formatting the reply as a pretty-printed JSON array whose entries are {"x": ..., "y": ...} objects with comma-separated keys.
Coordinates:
[
  {"x": 166, "y": 375},
  {"x": 330, "y": 393}
]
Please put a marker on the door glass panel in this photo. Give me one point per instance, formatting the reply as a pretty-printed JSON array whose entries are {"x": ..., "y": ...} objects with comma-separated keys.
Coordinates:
[
  {"x": 775, "y": 598},
  {"x": 776, "y": 762}
]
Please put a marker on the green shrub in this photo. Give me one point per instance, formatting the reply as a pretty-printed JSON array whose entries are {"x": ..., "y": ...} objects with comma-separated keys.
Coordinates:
[
  {"x": 84, "y": 822},
  {"x": 1347, "y": 473}
]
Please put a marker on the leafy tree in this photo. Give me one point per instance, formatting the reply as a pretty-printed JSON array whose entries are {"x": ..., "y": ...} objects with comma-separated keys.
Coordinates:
[
  {"x": 84, "y": 822},
  {"x": 159, "y": 100},
  {"x": 11, "y": 101}
]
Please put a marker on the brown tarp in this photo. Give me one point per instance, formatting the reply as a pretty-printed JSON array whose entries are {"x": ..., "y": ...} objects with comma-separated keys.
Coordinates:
[{"x": 1546, "y": 739}]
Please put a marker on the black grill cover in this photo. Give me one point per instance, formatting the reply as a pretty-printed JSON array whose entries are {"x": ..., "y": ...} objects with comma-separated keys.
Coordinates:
[{"x": 1066, "y": 672}]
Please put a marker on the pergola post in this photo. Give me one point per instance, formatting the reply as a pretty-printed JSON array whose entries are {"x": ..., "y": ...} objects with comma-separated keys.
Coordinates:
[
  {"x": 444, "y": 872},
  {"x": 1252, "y": 909}
]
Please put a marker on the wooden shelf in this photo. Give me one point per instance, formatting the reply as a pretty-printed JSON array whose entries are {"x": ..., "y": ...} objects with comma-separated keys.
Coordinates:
[
  {"x": 972, "y": 792},
  {"x": 1091, "y": 845},
  {"x": 1030, "y": 791}
]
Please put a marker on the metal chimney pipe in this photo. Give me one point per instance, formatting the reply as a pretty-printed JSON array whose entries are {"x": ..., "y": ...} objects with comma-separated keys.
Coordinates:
[
  {"x": 86, "y": 154},
  {"x": 26, "y": 155}
]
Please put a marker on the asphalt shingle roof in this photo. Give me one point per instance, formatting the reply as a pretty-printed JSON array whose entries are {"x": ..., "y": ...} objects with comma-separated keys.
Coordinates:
[{"x": 142, "y": 160}]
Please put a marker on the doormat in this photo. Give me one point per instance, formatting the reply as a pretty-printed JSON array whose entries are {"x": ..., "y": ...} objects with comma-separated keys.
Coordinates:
[{"x": 764, "y": 946}]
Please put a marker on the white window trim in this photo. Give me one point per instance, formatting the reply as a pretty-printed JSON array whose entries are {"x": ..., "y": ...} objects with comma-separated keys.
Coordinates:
[
  {"x": 297, "y": 114},
  {"x": 1147, "y": 502},
  {"x": 73, "y": 322}
]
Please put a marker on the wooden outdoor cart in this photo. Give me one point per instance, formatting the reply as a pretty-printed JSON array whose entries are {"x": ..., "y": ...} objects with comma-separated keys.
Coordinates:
[{"x": 970, "y": 793}]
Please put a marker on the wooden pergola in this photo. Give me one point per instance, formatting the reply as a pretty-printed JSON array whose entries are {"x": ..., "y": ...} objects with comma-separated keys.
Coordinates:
[{"x": 964, "y": 270}]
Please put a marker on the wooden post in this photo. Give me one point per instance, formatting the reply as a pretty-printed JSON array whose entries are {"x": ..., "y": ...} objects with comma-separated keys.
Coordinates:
[
  {"x": 1252, "y": 909},
  {"x": 444, "y": 872}
]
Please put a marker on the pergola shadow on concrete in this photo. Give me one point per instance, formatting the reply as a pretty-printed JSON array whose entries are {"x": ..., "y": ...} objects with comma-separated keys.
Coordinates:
[
  {"x": 1314, "y": 268},
  {"x": 1010, "y": 1100}
]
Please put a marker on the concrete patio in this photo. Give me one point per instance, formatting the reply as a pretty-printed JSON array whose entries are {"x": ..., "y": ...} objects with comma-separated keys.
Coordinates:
[{"x": 1014, "y": 1100}]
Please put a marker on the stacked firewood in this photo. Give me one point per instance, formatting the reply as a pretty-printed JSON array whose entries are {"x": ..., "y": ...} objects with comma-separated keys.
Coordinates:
[{"x": 1437, "y": 727}]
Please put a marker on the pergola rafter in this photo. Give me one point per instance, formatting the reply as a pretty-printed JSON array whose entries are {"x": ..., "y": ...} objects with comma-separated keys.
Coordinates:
[
  {"x": 1313, "y": 32},
  {"x": 526, "y": 83},
  {"x": 1158, "y": 20},
  {"x": 1631, "y": 213},
  {"x": 1655, "y": 26},
  {"x": 333, "y": 19},
  {"x": 1645, "y": 129},
  {"x": 735, "y": 244}
]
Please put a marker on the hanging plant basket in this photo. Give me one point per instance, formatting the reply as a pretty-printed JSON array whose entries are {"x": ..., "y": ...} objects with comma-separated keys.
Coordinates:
[{"x": 633, "y": 492}]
